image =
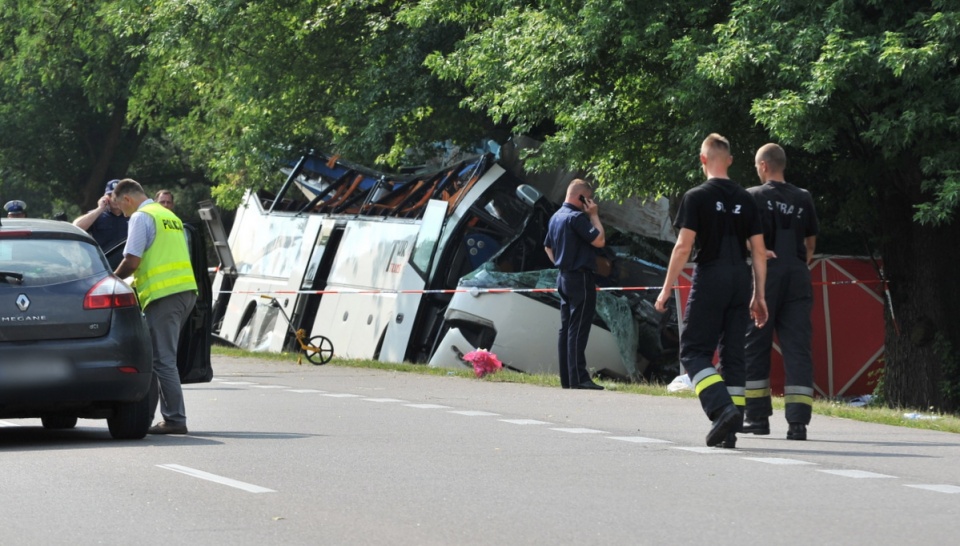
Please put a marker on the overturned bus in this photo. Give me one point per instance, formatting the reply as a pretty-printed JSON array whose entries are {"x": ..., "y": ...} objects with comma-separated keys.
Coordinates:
[{"x": 421, "y": 268}]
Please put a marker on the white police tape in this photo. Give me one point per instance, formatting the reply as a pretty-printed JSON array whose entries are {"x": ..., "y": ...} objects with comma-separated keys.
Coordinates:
[{"x": 475, "y": 290}]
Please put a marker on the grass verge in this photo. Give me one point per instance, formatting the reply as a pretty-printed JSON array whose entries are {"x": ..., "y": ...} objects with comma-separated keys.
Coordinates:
[{"x": 830, "y": 408}]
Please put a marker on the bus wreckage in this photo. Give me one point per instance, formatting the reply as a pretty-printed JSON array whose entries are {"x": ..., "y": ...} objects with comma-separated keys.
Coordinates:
[{"x": 422, "y": 268}]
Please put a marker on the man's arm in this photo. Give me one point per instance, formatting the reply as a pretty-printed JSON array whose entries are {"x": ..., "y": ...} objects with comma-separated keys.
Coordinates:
[
  {"x": 678, "y": 258},
  {"x": 758, "y": 306},
  {"x": 549, "y": 252},
  {"x": 86, "y": 221},
  {"x": 811, "y": 244},
  {"x": 127, "y": 266}
]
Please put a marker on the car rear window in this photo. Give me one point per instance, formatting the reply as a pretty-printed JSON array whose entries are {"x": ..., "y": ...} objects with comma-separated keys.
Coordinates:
[{"x": 45, "y": 261}]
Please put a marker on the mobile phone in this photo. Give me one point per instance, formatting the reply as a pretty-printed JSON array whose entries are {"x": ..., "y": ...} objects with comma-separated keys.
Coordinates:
[{"x": 583, "y": 200}]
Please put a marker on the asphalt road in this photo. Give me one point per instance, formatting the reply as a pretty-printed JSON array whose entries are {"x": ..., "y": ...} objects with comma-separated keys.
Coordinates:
[{"x": 285, "y": 454}]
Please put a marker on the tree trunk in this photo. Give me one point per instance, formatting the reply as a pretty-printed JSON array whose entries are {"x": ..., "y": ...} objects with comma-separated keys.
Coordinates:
[
  {"x": 93, "y": 188},
  {"x": 919, "y": 263}
]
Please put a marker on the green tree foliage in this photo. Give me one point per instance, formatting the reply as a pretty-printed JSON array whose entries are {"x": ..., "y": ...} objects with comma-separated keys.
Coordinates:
[
  {"x": 65, "y": 80},
  {"x": 258, "y": 82}
]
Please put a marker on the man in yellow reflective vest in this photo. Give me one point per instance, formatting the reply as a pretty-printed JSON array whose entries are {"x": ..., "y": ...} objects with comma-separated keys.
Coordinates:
[{"x": 156, "y": 255}]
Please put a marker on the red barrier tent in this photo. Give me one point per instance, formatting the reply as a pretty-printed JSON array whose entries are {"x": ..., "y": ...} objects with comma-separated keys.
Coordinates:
[{"x": 848, "y": 327}]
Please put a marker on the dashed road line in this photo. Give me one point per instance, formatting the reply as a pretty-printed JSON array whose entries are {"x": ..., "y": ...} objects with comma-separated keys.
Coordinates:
[
  {"x": 574, "y": 430},
  {"x": 639, "y": 440},
  {"x": 939, "y": 488},
  {"x": 249, "y": 487},
  {"x": 525, "y": 422},
  {"x": 855, "y": 474},
  {"x": 696, "y": 449},
  {"x": 8, "y": 424},
  {"x": 859, "y": 474},
  {"x": 777, "y": 460}
]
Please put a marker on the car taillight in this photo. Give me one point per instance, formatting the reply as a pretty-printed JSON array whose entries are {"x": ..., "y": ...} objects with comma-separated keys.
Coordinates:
[{"x": 110, "y": 293}]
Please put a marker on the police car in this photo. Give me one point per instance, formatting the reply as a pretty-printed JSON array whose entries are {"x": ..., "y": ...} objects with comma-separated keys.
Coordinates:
[{"x": 73, "y": 341}]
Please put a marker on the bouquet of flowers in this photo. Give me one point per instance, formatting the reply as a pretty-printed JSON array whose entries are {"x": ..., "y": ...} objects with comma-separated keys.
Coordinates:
[{"x": 483, "y": 362}]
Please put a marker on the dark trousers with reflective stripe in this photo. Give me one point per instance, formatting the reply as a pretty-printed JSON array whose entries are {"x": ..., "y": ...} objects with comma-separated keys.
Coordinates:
[
  {"x": 716, "y": 317},
  {"x": 578, "y": 302},
  {"x": 789, "y": 297}
]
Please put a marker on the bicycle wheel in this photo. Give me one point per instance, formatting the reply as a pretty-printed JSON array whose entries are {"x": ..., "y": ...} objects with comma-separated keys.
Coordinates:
[{"x": 320, "y": 350}]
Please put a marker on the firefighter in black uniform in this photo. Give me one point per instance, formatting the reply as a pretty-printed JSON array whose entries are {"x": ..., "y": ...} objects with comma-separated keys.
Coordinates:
[
  {"x": 573, "y": 233},
  {"x": 718, "y": 218},
  {"x": 790, "y": 233}
]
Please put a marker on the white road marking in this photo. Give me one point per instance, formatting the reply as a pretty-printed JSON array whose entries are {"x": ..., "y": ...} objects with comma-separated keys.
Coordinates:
[
  {"x": 427, "y": 406},
  {"x": 237, "y": 383},
  {"x": 777, "y": 460},
  {"x": 949, "y": 489},
  {"x": 8, "y": 424},
  {"x": 249, "y": 487},
  {"x": 470, "y": 413},
  {"x": 270, "y": 387},
  {"x": 581, "y": 430},
  {"x": 305, "y": 390},
  {"x": 706, "y": 449},
  {"x": 525, "y": 422},
  {"x": 854, "y": 473},
  {"x": 384, "y": 400},
  {"x": 639, "y": 440},
  {"x": 342, "y": 395}
]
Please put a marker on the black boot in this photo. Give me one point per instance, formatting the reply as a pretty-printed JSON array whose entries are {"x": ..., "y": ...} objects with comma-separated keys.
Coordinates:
[
  {"x": 797, "y": 431},
  {"x": 760, "y": 427}
]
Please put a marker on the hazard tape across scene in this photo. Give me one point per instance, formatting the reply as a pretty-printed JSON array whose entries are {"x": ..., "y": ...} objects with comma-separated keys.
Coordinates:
[{"x": 477, "y": 290}]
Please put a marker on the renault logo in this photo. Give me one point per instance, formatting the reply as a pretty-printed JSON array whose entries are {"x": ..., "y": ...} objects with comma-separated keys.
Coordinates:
[{"x": 23, "y": 302}]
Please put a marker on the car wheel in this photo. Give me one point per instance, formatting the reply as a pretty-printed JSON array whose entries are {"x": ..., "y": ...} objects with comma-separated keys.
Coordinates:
[
  {"x": 59, "y": 421},
  {"x": 130, "y": 420}
]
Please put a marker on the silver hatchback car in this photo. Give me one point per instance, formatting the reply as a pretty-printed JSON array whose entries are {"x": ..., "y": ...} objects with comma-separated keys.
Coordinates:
[{"x": 73, "y": 341}]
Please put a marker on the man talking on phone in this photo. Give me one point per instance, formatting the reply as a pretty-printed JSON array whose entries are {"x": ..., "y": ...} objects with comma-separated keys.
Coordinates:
[{"x": 572, "y": 235}]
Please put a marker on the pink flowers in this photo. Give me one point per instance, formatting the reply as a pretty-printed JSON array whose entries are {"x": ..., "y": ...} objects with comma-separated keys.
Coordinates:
[{"x": 483, "y": 361}]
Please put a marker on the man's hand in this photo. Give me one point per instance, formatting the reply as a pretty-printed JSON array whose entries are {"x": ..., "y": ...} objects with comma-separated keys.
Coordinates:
[
  {"x": 758, "y": 311},
  {"x": 662, "y": 299},
  {"x": 590, "y": 206},
  {"x": 104, "y": 203}
]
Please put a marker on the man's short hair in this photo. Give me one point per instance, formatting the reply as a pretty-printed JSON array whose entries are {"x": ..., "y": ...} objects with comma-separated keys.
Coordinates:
[
  {"x": 579, "y": 185},
  {"x": 715, "y": 142},
  {"x": 773, "y": 155},
  {"x": 128, "y": 186}
]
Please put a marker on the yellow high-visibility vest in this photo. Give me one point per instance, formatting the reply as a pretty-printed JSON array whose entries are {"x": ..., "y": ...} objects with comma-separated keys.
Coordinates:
[{"x": 165, "y": 266}]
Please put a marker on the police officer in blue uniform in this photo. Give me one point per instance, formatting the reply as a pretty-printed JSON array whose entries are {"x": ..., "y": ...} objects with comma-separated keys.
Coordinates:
[
  {"x": 790, "y": 230},
  {"x": 573, "y": 233},
  {"x": 15, "y": 209},
  {"x": 717, "y": 219},
  {"x": 106, "y": 223}
]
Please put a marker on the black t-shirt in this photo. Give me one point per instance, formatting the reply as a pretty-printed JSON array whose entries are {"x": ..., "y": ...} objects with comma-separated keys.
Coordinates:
[
  {"x": 714, "y": 209},
  {"x": 784, "y": 206}
]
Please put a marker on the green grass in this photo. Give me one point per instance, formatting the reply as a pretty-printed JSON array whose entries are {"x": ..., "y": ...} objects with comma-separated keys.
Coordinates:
[{"x": 886, "y": 416}]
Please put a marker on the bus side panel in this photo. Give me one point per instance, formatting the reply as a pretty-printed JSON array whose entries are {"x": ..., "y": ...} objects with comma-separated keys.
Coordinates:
[{"x": 361, "y": 293}]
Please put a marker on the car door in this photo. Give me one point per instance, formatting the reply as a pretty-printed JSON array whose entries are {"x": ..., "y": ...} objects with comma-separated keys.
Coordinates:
[{"x": 193, "y": 352}]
